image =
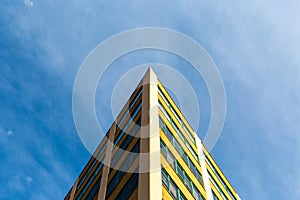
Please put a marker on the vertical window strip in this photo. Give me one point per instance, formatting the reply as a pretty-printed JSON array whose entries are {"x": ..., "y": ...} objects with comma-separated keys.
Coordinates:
[
  {"x": 180, "y": 171},
  {"x": 219, "y": 177},
  {"x": 176, "y": 115},
  {"x": 171, "y": 186},
  {"x": 217, "y": 186},
  {"x": 129, "y": 187},
  {"x": 128, "y": 111},
  {"x": 123, "y": 146},
  {"x": 135, "y": 98},
  {"x": 181, "y": 137},
  {"x": 93, "y": 164},
  {"x": 128, "y": 124},
  {"x": 120, "y": 174},
  {"x": 90, "y": 181}
]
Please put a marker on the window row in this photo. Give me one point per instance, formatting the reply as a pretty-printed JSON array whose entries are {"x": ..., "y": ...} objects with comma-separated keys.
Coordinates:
[
  {"x": 92, "y": 166},
  {"x": 129, "y": 187},
  {"x": 86, "y": 186},
  {"x": 125, "y": 166},
  {"x": 179, "y": 133},
  {"x": 176, "y": 116},
  {"x": 174, "y": 141},
  {"x": 135, "y": 98},
  {"x": 124, "y": 145},
  {"x": 216, "y": 186},
  {"x": 123, "y": 131},
  {"x": 180, "y": 172},
  {"x": 219, "y": 178},
  {"x": 94, "y": 191},
  {"x": 171, "y": 187},
  {"x": 130, "y": 107}
]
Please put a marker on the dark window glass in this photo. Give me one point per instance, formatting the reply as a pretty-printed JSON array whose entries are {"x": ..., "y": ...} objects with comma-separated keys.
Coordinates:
[
  {"x": 165, "y": 179},
  {"x": 135, "y": 98},
  {"x": 177, "y": 116},
  {"x": 123, "y": 131},
  {"x": 94, "y": 191},
  {"x": 90, "y": 181},
  {"x": 172, "y": 188},
  {"x": 120, "y": 174},
  {"x": 215, "y": 196},
  {"x": 181, "y": 173},
  {"x": 114, "y": 182},
  {"x": 129, "y": 187}
]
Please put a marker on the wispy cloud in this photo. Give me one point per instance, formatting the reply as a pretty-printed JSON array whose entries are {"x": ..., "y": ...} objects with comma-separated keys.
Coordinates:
[
  {"x": 28, "y": 3},
  {"x": 254, "y": 44},
  {"x": 6, "y": 131}
]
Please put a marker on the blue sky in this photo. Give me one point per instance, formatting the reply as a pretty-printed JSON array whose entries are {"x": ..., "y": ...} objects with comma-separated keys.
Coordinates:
[{"x": 255, "y": 45}]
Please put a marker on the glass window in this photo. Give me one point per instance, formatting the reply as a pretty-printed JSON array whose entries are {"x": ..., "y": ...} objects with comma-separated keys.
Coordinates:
[
  {"x": 91, "y": 179},
  {"x": 94, "y": 191},
  {"x": 173, "y": 189},
  {"x": 128, "y": 188},
  {"x": 123, "y": 131},
  {"x": 171, "y": 186},
  {"x": 176, "y": 115},
  {"x": 135, "y": 98}
]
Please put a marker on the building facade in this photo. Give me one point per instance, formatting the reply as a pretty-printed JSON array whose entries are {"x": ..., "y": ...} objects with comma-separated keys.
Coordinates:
[{"x": 151, "y": 152}]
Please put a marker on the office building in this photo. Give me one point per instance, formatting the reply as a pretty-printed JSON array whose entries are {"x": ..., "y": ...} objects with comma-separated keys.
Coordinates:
[{"x": 151, "y": 152}]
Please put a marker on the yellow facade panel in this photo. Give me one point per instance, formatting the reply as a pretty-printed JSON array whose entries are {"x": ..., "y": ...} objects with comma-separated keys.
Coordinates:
[
  {"x": 193, "y": 159},
  {"x": 208, "y": 156},
  {"x": 177, "y": 124},
  {"x": 175, "y": 107}
]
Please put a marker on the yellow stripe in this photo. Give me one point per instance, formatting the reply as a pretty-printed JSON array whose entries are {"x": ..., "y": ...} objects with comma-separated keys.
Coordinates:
[
  {"x": 217, "y": 181},
  {"x": 178, "y": 181},
  {"x": 165, "y": 194},
  {"x": 124, "y": 180},
  {"x": 215, "y": 191},
  {"x": 175, "y": 108},
  {"x": 177, "y": 122},
  {"x": 182, "y": 163},
  {"x": 208, "y": 156},
  {"x": 186, "y": 150}
]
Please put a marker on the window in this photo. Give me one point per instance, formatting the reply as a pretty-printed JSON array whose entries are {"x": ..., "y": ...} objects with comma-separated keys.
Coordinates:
[
  {"x": 132, "y": 103},
  {"x": 177, "y": 146},
  {"x": 123, "y": 131},
  {"x": 124, "y": 145},
  {"x": 91, "y": 179},
  {"x": 179, "y": 133},
  {"x": 120, "y": 174},
  {"x": 129, "y": 187},
  {"x": 167, "y": 154},
  {"x": 219, "y": 178},
  {"x": 170, "y": 185},
  {"x": 94, "y": 191},
  {"x": 92, "y": 165},
  {"x": 190, "y": 135},
  {"x": 114, "y": 182},
  {"x": 135, "y": 98},
  {"x": 180, "y": 172}
]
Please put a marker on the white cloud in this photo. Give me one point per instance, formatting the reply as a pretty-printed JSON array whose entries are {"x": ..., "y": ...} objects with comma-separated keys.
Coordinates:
[
  {"x": 28, "y": 179},
  {"x": 9, "y": 132},
  {"x": 6, "y": 131},
  {"x": 28, "y": 3}
]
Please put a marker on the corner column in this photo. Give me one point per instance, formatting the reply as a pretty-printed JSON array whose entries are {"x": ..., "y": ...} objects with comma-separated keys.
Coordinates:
[{"x": 150, "y": 182}]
